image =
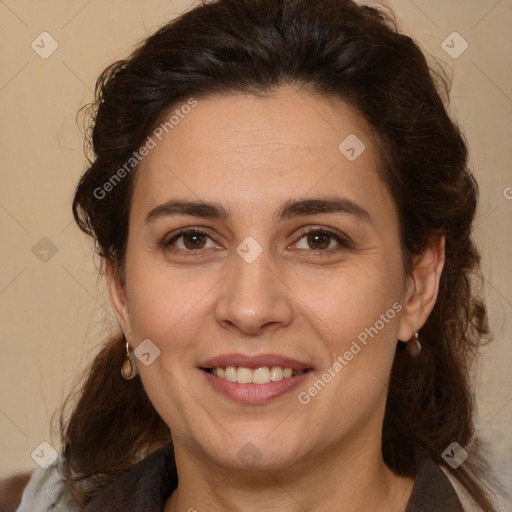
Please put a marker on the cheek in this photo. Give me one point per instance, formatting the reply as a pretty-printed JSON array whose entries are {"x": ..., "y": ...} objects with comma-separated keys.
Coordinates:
[
  {"x": 162, "y": 302},
  {"x": 357, "y": 319},
  {"x": 345, "y": 302}
]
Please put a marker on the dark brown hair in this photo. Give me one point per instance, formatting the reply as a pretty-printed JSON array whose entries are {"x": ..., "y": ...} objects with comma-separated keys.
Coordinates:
[{"x": 334, "y": 48}]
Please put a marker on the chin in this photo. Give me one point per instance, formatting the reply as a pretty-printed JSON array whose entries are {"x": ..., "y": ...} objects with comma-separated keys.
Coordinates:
[{"x": 256, "y": 451}]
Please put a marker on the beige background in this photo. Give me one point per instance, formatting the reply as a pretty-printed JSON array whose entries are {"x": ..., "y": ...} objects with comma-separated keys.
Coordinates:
[{"x": 53, "y": 313}]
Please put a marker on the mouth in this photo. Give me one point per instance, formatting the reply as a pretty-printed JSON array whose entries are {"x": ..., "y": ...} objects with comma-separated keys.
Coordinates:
[{"x": 254, "y": 379}]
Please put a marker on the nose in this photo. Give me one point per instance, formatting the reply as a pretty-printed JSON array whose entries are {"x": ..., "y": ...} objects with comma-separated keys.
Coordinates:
[{"x": 253, "y": 298}]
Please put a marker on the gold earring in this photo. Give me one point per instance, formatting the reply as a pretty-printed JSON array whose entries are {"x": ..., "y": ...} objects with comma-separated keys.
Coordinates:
[
  {"x": 414, "y": 345},
  {"x": 129, "y": 368}
]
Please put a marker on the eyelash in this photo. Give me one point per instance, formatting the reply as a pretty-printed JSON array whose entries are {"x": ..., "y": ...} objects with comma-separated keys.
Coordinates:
[{"x": 344, "y": 242}]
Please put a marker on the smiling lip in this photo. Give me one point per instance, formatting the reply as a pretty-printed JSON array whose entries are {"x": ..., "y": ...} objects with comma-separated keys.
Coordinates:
[{"x": 254, "y": 393}]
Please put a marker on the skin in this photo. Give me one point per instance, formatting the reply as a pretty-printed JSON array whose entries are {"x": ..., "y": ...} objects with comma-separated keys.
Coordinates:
[{"x": 252, "y": 155}]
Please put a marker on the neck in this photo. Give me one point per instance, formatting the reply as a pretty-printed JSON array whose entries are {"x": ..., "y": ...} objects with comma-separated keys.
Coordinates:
[{"x": 346, "y": 479}]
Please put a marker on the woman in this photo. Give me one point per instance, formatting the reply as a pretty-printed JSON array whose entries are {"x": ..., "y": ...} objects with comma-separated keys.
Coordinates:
[{"x": 283, "y": 206}]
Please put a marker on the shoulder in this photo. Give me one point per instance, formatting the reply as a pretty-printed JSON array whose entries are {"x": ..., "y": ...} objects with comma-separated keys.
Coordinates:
[
  {"x": 11, "y": 489},
  {"x": 467, "y": 502},
  {"x": 145, "y": 486},
  {"x": 41, "y": 492},
  {"x": 433, "y": 490}
]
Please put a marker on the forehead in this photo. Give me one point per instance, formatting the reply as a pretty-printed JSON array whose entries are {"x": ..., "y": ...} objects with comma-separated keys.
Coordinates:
[{"x": 249, "y": 150}]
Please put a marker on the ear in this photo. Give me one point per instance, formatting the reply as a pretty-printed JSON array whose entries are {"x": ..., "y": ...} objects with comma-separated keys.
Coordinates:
[
  {"x": 117, "y": 294},
  {"x": 421, "y": 289}
]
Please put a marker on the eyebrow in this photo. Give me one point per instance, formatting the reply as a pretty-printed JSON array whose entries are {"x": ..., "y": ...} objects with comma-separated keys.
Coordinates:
[{"x": 291, "y": 209}]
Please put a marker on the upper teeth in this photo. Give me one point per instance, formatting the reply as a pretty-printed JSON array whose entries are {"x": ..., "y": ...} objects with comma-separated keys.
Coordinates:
[{"x": 262, "y": 375}]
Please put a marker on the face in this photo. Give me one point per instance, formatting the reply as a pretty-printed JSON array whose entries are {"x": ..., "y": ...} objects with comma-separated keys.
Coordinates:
[{"x": 259, "y": 248}]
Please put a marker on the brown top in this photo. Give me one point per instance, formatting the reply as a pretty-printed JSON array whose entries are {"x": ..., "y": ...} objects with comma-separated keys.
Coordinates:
[
  {"x": 432, "y": 490},
  {"x": 146, "y": 487}
]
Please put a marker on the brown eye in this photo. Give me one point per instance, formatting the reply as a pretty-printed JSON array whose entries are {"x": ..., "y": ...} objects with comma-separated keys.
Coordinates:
[
  {"x": 194, "y": 240},
  {"x": 190, "y": 240},
  {"x": 318, "y": 240},
  {"x": 322, "y": 241}
]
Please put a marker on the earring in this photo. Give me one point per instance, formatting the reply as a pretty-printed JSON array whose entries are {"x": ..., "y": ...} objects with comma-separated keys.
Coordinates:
[
  {"x": 129, "y": 368},
  {"x": 414, "y": 345}
]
